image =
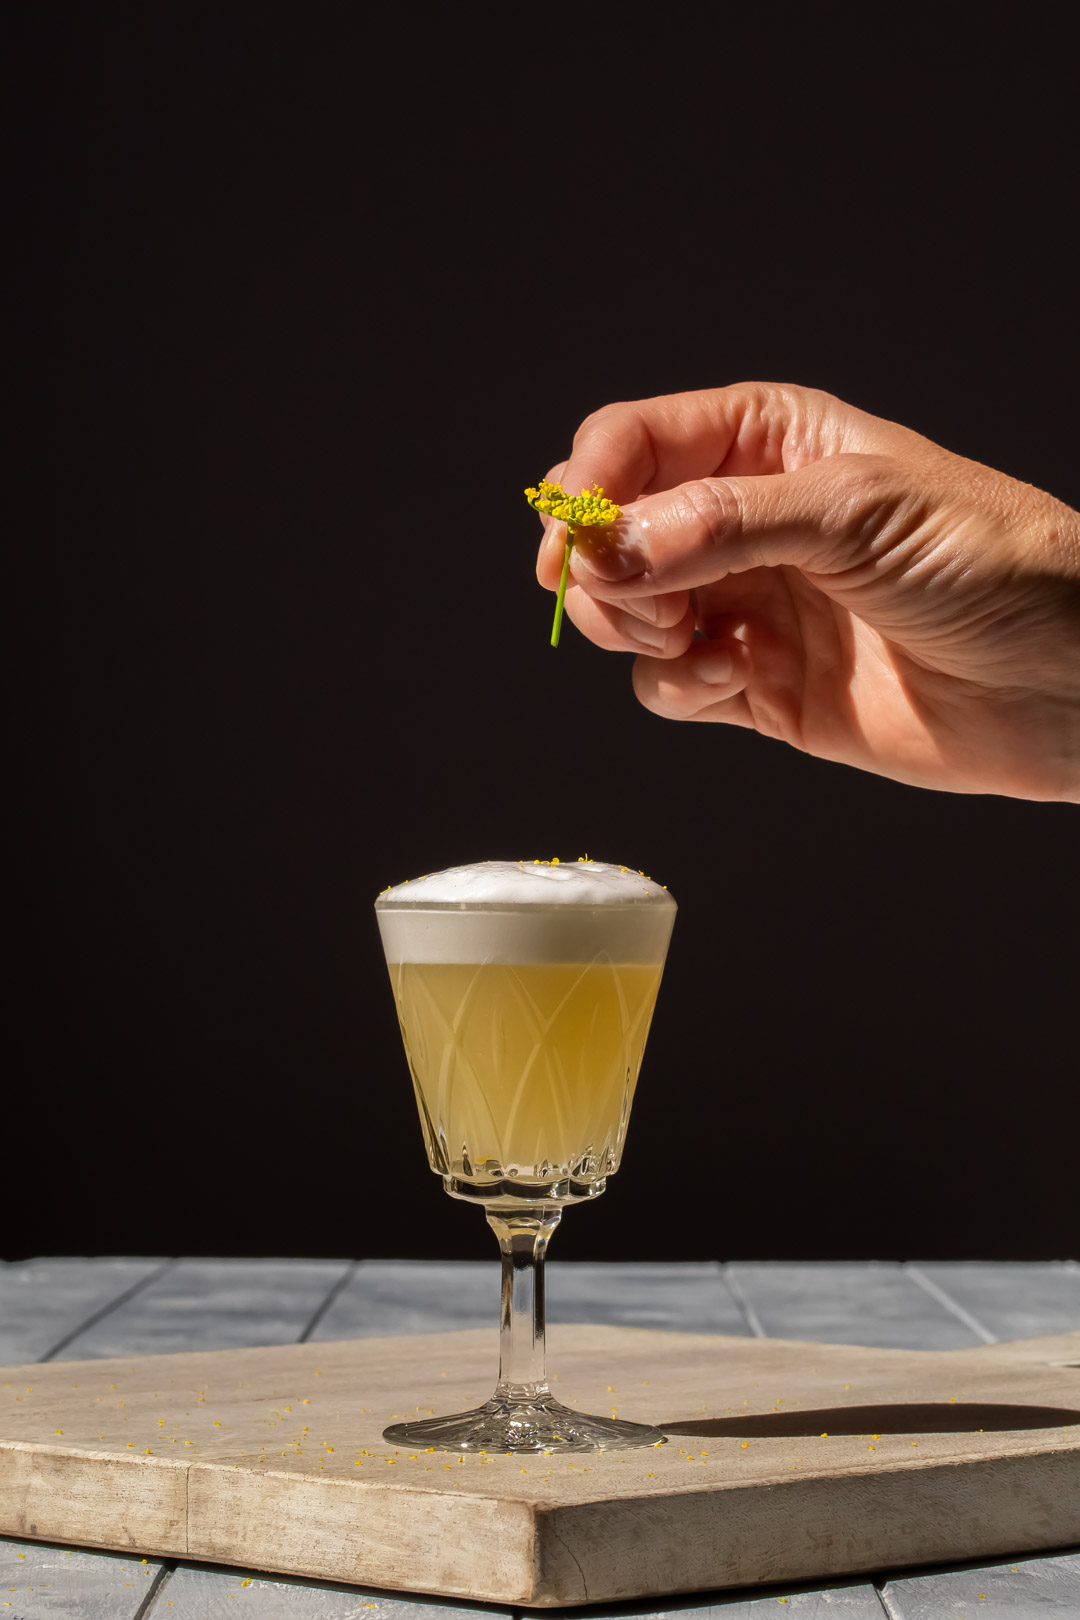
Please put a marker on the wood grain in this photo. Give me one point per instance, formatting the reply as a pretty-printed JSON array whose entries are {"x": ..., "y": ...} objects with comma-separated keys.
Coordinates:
[{"x": 272, "y": 1458}]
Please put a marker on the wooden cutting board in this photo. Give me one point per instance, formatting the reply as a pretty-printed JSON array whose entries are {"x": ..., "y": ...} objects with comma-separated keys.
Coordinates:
[{"x": 784, "y": 1461}]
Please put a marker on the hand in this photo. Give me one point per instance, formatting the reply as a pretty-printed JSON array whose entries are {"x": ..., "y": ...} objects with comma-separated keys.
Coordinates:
[{"x": 787, "y": 562}]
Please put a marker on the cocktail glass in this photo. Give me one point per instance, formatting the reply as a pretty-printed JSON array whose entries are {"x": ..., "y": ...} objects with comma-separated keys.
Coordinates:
[{"x": 524, "y": 993}]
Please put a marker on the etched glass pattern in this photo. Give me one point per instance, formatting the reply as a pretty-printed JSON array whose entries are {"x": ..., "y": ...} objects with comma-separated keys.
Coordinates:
[{"x": 525, "y": 1070}]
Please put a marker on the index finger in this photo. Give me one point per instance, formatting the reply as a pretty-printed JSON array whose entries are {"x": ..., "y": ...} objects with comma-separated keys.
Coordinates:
[{"x": 643, "y": 446}]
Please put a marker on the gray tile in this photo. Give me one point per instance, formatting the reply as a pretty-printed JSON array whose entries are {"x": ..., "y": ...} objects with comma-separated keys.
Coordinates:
[
  {"x": 413, "y": 1296},
  {"x": 428, "y": 1296},
  {"x": 1011, "y": 1299},
  {"x": 1023, "y": 1589},
  {"x": 681, "y": 1297},
  {"x": 201, "y": 1592},
  {"x": 214, "y": 1305},
  {"x": 40, "y": 1582},
  {"x": 869, "y": 1302},
  {"x": 858, "y": 1601},
  {"x": 43, "y": 1302}
]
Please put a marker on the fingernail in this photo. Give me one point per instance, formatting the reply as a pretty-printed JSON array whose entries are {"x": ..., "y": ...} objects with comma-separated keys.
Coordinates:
[
  {"x": 648, "y": 634},
  {"x": 715, "y": 667},
  {"x": 613, "y": 552},
  {"x": 644, "y": 607}
]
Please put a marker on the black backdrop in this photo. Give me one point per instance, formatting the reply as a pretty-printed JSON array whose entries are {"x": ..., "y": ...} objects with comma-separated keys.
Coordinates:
[{"x": 309, "y": 299}]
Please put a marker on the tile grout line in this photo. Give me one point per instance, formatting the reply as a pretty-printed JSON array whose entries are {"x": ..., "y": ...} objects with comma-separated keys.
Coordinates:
[
  {"x": 114, "y": 1304},
  {"x": 161, "y": 1580},
  {"x": 930, "y": 1287},
  {"x": 879, "y": 1586},
  {"x": 735, "y": 1289},
  {"x": 346, "y": 1277}
]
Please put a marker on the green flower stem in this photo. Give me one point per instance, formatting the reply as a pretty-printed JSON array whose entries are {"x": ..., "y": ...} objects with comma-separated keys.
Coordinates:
[{"x": 561, "y": 598}]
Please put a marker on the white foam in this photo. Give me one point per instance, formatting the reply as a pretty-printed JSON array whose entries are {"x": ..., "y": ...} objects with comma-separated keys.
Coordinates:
[
  {"x": 528, "y": 883},
  {"x": 522, "y": 911}
]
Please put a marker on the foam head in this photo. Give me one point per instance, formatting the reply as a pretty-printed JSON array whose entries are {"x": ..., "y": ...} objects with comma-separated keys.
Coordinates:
[{"x": 527, "y": 911}]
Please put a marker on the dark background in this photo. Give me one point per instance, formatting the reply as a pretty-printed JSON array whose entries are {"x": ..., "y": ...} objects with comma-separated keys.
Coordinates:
[{"x": 308, "y": 299}]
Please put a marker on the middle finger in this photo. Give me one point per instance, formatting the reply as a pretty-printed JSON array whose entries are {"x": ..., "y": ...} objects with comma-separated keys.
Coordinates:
[{"x": 616, "y": 629}]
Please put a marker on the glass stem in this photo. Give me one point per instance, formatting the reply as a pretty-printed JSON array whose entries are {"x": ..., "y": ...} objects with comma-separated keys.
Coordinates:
[{"x": 523, "y": 1238}]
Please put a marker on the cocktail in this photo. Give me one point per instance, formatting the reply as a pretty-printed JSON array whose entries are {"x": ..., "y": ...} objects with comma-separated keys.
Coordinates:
[{"x": 525, "y": 990}]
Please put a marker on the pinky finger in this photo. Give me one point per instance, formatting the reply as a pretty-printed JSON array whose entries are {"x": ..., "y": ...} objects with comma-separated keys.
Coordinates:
[{"x": 707, "y": 683}]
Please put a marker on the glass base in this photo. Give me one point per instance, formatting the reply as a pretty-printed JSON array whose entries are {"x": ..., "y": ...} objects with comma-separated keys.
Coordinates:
[
  {"x": 540, "y": 1425},
  {"x": 506, "y": 1194}
]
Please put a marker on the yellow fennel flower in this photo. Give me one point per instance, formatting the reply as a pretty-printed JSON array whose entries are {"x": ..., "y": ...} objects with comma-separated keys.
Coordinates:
[{"x": 583, "y": 511}]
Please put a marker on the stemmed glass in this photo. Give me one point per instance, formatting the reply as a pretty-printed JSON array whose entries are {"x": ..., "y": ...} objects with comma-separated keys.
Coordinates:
[{"x": 524, "y": 992}]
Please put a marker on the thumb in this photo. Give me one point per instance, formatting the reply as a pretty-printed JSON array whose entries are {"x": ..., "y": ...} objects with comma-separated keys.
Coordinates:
[{"x": 822, "y": 517}]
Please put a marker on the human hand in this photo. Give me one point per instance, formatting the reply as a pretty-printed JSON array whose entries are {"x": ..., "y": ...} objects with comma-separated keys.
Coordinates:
[{"x": 789, "y": 563}]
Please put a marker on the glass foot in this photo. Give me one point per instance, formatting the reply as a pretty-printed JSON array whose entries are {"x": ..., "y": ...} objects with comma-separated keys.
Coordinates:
[{"x": 537, "y": 1426}]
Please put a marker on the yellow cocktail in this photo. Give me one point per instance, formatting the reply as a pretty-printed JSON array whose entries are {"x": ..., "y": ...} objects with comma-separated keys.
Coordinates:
[
  {"x": 525, "y": 1069},
  {"x": 525, "y": 991}
]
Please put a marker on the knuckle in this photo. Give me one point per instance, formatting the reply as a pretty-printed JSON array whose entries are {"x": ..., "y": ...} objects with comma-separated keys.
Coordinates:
[
  {"x": 865, "y": 491},
  {"x": 618, "y": 424},
  {"x": 598, "y": 425},
  {"x": 708, "y": 512},
  {"x": 818, "y": 400}
]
